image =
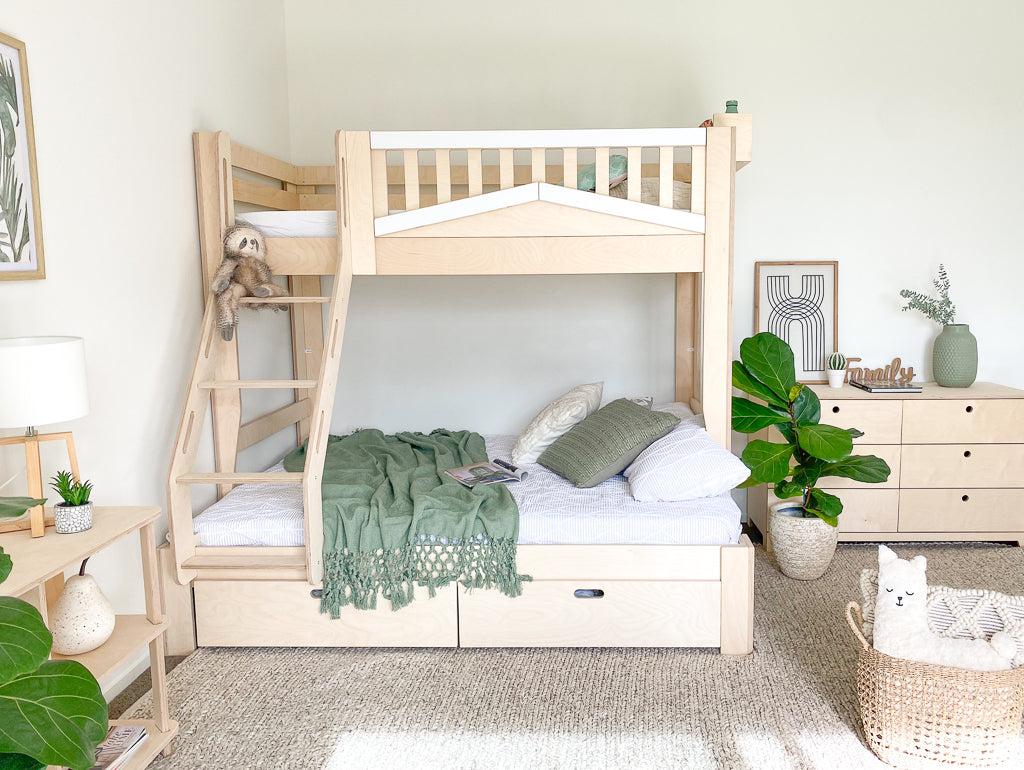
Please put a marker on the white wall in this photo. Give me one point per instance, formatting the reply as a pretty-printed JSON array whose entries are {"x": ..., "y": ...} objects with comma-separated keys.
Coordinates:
[
  {"x": 118, "y": 87},
  {"x": 885, "y": 138}
]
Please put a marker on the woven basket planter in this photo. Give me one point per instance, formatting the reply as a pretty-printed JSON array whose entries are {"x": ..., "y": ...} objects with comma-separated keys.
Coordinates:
[
  {"x": 920, "y": 715},
  {"x": 803, "y": 547}
]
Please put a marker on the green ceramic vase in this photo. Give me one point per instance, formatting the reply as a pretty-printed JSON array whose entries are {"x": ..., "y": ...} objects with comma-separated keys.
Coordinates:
[{"x": 955, "y": 357}]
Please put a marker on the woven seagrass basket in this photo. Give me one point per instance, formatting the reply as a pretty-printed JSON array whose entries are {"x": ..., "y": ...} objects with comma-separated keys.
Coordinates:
[{"x": 920, "y": 715}]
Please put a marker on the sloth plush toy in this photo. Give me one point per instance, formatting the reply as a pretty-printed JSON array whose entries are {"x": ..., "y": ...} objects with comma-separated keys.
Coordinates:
[{"x": 242, "y": 273}]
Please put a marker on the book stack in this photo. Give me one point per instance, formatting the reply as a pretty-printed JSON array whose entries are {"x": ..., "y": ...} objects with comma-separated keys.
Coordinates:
[
  {"x": 885, "y": 386},
  {"x": 117, "y": 748}
]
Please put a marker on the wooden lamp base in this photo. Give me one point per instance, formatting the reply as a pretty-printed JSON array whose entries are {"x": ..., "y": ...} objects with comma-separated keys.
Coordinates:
[{"x": 36, "y": 520}]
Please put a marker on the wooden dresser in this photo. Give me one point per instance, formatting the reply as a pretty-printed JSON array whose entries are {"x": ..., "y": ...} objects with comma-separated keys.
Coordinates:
[{"x": 957, "y": 460}]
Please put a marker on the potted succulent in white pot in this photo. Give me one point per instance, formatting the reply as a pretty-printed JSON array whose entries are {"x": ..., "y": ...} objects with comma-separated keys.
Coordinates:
[
  {"x": 75, "y": 513},
  {"x": 802, "y": 528},
  {"x": 835, "y": 369},
  {"x": 955, "y": 350}
]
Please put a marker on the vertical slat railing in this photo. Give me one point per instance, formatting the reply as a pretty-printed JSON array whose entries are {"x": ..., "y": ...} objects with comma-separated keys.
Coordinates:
[
  {"x": 601, "y": 168},
  {"x": 443, "y": 169},
  {"x": 412, "y": 179},
  {"x": 666, "y": 170},
  {"x": 538, "y": 171},
  {"x": 697, "y": 165},
  {"x": 506, "y": 168},
  {"x": 379, "y": 165},
  {"x": 634, "y": 166},
  {"x": 569, "y": 167},
  {"x": 474, "y": 158}
]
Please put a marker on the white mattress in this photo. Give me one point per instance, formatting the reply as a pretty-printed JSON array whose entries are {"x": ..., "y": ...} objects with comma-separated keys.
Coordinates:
[
  {"x": 293, "y": 224},
  {"x": 551, "y": 511}
]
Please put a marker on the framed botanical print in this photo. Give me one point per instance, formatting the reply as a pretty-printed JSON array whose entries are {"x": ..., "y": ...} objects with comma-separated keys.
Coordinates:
[
  {"x": 21, "y": 233},
  {"x": 797, "y": 302}
]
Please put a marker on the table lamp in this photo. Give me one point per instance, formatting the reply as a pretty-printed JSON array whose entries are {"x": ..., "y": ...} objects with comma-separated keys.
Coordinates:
[{"x": 42, "y": 381}]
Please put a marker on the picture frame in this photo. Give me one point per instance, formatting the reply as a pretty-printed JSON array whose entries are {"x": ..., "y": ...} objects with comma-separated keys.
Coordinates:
[
  {"x": 21, "y": 231},
  {"x": 797, "y": 301}
]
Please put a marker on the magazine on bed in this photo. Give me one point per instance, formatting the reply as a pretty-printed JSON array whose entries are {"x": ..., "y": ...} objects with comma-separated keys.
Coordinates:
[{"x": 496, "y": 472}]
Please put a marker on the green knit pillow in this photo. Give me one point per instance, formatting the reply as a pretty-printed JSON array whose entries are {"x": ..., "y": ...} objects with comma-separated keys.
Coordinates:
[{"x": 606, "y": 442}]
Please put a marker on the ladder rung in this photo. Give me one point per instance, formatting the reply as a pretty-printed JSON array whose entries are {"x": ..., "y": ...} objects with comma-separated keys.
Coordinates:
[
  {"x": 220, "y": 384},
  {"x": 281, "y": 477},
  {"x": 284, "y": 300}
]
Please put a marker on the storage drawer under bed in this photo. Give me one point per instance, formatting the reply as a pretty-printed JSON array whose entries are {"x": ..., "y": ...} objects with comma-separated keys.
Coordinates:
[
  {"x": 281, "y": 613},
  {"x": 605, "y": 613}
]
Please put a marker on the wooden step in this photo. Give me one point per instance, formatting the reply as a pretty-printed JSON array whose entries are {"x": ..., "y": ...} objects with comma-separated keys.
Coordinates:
[
  {"x": 280, "y": 477},
  {"x": 283, "y": 300},
  {"x": 250, "y": 384},
  {"x": 234, "y": 560}
]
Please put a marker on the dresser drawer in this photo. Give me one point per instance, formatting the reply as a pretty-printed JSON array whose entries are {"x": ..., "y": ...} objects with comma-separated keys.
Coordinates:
[
  {"x": 988, "y": 420},
  {"x": 631, "y": 613},
  {"x": 864, "y": 509},
  {"x": 962, "y": 510},
  {"x": 888, "y": 452},
  {"x": 942, "y": 466},
  {"x": 879, "y": 420}
]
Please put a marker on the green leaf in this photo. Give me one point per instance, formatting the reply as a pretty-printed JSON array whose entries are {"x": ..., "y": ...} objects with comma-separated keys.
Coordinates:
[
  {"x": 25, "y": 642},
  {"x": 56, "y": 715},
  {"x": 854, "y": 433},
  {"x": 750, "y": 417},
  {"x": 825, "y": 442},
  {"x": 745, "y": 381},
  {"x": 787, "y": 431},
  {"x": 19, "y": 762},
  {"x": 787, "y": 489},
  {"x": 807, "y": 408},
  {"x": 16, "y": 506},
  {"x": 808, "y": 472},
  {"x": 795, "y": 391},
  {"x": 6, "y": 564},
  {"x": 825, "y": 506},
  {"x": 770, "y": 360},
  {"x": 866, "y": 468},
  {"x": 768, "y": 462}
]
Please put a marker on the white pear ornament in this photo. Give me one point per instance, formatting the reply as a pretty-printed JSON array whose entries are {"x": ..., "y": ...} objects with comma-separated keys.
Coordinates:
[
  {"x": 82, "y": 618},
  {"x": 901, "y": 622}
]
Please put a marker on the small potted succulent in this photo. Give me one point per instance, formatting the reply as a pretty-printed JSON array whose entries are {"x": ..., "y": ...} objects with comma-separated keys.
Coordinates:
[
  {"x": 835, "y": 369},
  {"x": 75, "y": 513}
]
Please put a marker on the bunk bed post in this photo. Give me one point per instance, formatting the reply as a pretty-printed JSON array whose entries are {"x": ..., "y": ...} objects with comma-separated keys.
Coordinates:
[
  {"x": 214, "y": 184},
  {"x": 687, "y": 337},
  {"x": 716, "y": 334},
  {"x": 355, "y": 244}
]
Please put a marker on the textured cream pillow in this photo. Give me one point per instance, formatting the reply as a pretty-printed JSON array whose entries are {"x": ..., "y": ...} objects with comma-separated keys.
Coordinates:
[{"x": 555, "y": 419}]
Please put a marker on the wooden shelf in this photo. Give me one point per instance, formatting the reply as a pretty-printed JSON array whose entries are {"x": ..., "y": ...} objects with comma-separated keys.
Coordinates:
[
  {"x": 131, "y": 634},
  {"x": 156, "y": 740}
]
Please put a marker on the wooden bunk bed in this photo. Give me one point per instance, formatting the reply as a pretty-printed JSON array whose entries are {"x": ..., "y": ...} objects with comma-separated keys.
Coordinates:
[{"x": 462, "y": 203}]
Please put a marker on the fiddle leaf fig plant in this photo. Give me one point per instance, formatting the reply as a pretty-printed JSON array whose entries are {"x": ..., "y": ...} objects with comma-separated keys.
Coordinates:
[
  {"x": 809, "y": 450},
  {"x": 52, "y": 712}
]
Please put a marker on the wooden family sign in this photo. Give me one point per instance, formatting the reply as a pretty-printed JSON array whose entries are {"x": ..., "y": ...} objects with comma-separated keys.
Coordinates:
[{"x": 893, "y": 371}]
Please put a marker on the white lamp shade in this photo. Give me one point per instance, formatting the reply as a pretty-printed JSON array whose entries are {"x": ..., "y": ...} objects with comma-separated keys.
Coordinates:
[{"x": 42, "y": 381}]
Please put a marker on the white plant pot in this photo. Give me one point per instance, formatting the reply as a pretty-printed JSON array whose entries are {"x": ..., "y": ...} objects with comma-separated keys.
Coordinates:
[
  {"x": 835, "y": 377},
  {"x": 81, "y": 619},
  {"x": 68, "y": 519},
  {"x": 803, "y": 547}
]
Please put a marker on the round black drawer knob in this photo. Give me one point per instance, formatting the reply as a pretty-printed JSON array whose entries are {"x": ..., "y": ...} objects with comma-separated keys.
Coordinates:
[
  {"x": 835, "y": 410},
  {"x": 969, "y": 409},
  {"x": 967, "y": 453},
  {"x": 965, "y": 498}
]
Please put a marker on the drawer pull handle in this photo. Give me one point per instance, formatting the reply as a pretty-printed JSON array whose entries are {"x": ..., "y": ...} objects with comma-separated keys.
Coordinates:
[
  {"x": 317, "y": 593},
  {"x": 965, "y": 498},
  {"x": 967, "y": 453},
  {"x": 969, "y": 409},
  {"x": 588, "y": 593},
  {"x": 835, "y": 410}
]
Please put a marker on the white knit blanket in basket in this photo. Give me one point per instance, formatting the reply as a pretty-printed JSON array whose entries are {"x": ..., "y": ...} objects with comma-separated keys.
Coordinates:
[{"x": 964, "y": 613}]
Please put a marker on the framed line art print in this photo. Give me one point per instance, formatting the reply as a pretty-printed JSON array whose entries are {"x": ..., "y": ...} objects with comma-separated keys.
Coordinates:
[
  {"x": 797, "y": 302},
  {"x": 21, "y": 233}
]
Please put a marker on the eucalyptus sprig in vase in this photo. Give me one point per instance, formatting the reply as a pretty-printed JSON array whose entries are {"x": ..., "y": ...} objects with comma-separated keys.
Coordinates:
[{"x": 955, "y": 350}]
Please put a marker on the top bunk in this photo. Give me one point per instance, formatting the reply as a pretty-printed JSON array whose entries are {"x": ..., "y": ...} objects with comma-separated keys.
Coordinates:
[{"x": 486, "y": 202}]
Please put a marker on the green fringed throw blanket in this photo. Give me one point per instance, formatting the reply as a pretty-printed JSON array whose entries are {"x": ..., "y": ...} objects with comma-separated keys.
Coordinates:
[{"x": 393, "y": 519}]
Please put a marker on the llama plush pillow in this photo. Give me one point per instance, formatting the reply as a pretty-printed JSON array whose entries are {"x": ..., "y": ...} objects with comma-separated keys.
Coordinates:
[{"x": 901, "y": 622}]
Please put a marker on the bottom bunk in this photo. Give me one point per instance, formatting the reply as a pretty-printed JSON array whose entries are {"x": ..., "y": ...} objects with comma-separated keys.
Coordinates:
[{"x": 607, "y": 570}]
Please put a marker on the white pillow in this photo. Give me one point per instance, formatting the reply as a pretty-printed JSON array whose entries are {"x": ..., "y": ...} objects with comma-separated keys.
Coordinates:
[
  {"x": 555, "y": 419},
  {"x": 678, "y": 408},
  {"x": 684, "y": 465}
]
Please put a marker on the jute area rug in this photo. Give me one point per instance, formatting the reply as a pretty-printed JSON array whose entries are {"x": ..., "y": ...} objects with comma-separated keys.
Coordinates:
[{"x": 791, "y": 705}]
